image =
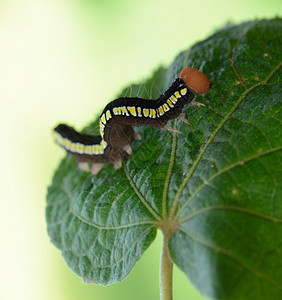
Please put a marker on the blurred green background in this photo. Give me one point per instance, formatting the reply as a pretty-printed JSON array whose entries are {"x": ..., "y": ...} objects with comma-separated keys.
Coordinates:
[{"x": 63, "y": 60}]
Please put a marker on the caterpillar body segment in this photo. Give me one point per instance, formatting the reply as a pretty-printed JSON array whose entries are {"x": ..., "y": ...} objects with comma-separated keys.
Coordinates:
[{"x": 120, "y": 115}]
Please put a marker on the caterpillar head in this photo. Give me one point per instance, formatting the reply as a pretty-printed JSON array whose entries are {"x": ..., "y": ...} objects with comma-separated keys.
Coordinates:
[{"x": 197, "y": 82}]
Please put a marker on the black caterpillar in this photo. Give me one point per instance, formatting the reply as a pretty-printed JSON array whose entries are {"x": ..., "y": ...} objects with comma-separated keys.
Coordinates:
[{"x": 118, "y": 117}]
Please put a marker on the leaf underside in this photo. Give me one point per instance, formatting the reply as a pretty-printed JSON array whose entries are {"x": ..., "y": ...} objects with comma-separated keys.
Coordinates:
[{"x": 218, "y": 181}]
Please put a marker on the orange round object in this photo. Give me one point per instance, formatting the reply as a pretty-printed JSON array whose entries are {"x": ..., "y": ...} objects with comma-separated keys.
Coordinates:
[{"x": 196, "y": 81}]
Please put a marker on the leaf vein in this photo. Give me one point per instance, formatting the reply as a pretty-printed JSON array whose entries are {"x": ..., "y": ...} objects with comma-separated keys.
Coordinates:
[
  {"x": 124, "y": 255},
  {"x": 212, "y": 137},
  {"x": 230, "y": 255},
  {"x": 169, "y": 172},
  {"x": 140, "y": 196},
  {"x": 111, "y": 227},
  {"x": 232, "y": 166},
  {"x": 231, "y": 208}
]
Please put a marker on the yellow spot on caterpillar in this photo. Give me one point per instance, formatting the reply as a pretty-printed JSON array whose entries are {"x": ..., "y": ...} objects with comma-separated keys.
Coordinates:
[
  {"x": 108, "y": 115},
  {"x": 102, "y": 126},
  {"x": 146, "y": 112},
  {"x": 117, "y": 111},
  {"x": 103, "y": 119},
  {"x": 100, "y": 149},
  {"x": 166, "y": 108},
  {"x": 62, "y": 141},
  {"x": 177, "y": 95},
  {"x": 124, "y": 111},
  {"x": 87, "y": 149},
  {"x": 67, "y": 143},
  {"x": 94, "y": 149},
  {"x": 73, "y": 147},
  {"x": 183, "y": 91},
  {"x": 173, "y": 99},
  {"x": 161, "y": 110},
  {"x": 79, "y": 148},
  {"x": 139, "y": 112},
  {"x": 103, "y": 144},
  {"x": 57, "y": 137},
  {"x": 169, "y": 103},
  {"x": 76, "y": 147},
  {"x": 152, "y": 113},
  {"x": 132, "y": 110}
]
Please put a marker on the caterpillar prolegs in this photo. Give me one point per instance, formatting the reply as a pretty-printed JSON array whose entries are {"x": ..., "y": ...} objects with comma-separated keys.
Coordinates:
[{"x": 118, "y": 117}]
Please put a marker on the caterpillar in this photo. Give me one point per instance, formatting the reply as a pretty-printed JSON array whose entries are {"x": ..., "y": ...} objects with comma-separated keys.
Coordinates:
[{"x": 118, "y": 117}]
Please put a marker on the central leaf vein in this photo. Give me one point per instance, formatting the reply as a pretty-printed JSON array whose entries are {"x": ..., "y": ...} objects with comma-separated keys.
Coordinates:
[{"x": 169, "y": 172}]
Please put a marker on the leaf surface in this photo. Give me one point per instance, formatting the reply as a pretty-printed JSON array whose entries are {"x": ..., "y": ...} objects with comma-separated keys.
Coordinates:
[{"x": 218, "y": 182}]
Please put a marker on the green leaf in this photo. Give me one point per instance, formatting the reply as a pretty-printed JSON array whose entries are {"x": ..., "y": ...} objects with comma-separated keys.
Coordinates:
[{"x": 215, "y": 188}]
